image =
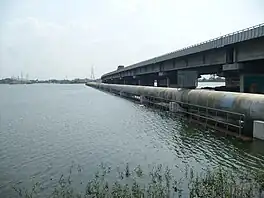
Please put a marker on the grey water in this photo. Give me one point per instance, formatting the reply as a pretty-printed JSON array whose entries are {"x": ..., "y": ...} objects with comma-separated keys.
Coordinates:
[{"x": 45, "y": 128}]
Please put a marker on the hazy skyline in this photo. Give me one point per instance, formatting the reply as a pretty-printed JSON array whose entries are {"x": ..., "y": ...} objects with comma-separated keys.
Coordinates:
[{"x": 58, "y": 39}]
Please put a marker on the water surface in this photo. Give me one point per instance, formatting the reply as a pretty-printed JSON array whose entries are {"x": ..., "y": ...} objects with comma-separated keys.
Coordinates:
[{"x": 45, "y": 128}]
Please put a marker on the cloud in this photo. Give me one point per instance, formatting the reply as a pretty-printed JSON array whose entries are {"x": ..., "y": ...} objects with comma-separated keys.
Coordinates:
[
  {"x": 50, "y": 50},
  {"x": 33, "y": 45},
  {"x": 54, "y": 39}
]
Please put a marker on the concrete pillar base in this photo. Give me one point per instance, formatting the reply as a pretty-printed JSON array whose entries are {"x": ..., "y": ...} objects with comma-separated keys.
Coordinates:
[{"x": 258, "y": 129}]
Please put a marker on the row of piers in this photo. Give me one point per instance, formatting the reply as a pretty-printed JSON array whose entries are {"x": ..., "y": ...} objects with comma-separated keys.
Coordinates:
[
  {"x": 244, "y": 78},
  {"x": 160, "y": 79}
]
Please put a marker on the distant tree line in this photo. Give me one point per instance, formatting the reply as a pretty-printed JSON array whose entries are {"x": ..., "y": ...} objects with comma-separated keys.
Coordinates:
[
  {"x": 212, "y": 78},
  {"x": 55, "y": 81}
]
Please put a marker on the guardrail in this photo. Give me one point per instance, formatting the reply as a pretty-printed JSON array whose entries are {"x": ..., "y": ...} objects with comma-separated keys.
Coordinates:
[{"x": 218, "y": 116}]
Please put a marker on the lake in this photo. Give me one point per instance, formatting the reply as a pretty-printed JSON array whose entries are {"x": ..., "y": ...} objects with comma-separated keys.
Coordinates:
[{"x": 45, "y": 128}]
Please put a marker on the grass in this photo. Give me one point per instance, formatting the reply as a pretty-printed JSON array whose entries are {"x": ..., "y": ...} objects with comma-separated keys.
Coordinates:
[{"x": 159, "y": 183}]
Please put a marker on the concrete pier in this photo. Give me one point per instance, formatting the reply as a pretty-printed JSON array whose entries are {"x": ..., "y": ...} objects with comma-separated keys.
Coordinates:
[{"x": 258, "y": 130}]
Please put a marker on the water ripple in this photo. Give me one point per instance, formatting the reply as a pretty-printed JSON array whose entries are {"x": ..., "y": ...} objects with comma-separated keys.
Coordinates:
[{"x": 44, "y": 128}]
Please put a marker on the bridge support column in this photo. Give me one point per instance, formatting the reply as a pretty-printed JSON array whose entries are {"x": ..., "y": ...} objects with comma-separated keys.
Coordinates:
[
  {"x": 172, "y": 80},
  {"x": 162, "y": 82},
  {"x": 162, "y": 79},
  {"x": 131, "y": 80},
  {"x": 245, "y": 78},
  {"x": 252, "y": 83},
  {"x": 115, "y": 81},
  {"x": 187, "y": 79},
  {"x": 168, "y": 81},
  {"x": 232, "y": 81},
  {"x": 146, "y": 81},
  {"x": 245, "y": 83},
  {"x": 233, "y": 76}
]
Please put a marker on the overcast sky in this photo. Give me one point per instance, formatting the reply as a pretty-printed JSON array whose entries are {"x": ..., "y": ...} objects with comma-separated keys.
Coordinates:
[{"x": 59, "y": 38}]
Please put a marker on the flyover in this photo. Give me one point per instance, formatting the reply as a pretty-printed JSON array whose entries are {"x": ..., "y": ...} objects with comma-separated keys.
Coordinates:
[{"x": 238, "y": 56}]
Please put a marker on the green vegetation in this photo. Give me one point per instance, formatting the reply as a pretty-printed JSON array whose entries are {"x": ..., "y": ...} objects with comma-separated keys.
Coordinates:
[{"x": 158, "y": 183}]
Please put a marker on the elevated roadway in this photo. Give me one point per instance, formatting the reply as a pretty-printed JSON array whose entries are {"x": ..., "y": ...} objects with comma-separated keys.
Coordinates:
[{"x": 238, "y": 56}]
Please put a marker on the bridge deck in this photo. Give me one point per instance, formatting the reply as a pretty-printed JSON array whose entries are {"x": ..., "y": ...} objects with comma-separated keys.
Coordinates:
[{"x": 232, "y": 38}]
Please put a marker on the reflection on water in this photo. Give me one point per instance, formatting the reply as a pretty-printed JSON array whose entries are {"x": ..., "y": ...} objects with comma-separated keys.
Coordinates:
[{"x": 44, "y": 128}]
